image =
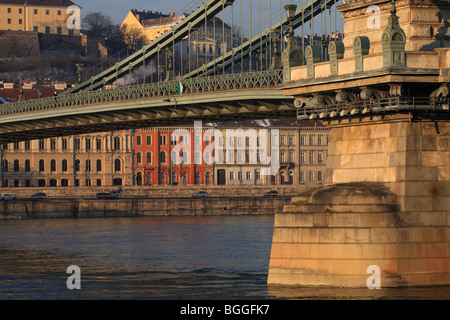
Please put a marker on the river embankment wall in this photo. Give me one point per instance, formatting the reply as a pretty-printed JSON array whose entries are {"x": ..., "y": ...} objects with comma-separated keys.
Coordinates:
[{"x": 106, "y": 208}]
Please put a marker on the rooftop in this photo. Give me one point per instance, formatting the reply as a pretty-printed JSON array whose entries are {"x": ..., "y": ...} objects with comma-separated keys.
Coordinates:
[{"x": 48, "y": 3}]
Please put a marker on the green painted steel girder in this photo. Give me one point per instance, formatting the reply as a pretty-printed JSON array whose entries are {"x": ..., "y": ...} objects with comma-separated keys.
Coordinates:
[
  {"x": 181, "y": 30},
  {"x": 304, "y": 14}
]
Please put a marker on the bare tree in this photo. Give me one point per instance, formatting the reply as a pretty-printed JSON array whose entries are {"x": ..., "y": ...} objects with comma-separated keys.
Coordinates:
[
  {"x": 98, "y": 25},
  {"x": 132, "y": 36}
]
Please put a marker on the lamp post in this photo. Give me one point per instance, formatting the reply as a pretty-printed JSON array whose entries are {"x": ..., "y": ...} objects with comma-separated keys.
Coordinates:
[
  {"x": 80, "y": 69},
  {"x": 276, "y": 61},
  {"x": 292, "y": 56}
]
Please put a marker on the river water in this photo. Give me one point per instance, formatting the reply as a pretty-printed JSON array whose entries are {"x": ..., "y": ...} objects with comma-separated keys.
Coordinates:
[{"x": 155, "y": 258}]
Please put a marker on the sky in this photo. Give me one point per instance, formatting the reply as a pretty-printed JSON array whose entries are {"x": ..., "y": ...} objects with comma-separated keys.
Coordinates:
[{"x": 118, "y": 9}]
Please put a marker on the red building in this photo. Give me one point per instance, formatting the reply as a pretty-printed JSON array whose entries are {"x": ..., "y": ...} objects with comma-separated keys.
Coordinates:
[{"x": 162, "y": 160}]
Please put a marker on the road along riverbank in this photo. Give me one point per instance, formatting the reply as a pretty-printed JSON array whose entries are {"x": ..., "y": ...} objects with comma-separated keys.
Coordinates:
[{"x": 136, "y": 207}]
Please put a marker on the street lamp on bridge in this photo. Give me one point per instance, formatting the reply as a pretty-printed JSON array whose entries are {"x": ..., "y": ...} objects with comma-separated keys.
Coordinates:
[{"x": 292, "y": 56}]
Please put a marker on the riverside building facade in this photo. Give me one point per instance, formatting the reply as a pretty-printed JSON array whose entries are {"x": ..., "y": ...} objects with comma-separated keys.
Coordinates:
[{"x": 180, "y": 156}]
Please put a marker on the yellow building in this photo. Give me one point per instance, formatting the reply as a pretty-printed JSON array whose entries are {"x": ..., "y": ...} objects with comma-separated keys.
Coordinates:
[
  {"x": 139, "y": 20},
  {"x": 43, "y": 16}
]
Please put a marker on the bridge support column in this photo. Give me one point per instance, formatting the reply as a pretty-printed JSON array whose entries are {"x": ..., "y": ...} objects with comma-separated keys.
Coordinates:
[{"x": 386, "y": 204}]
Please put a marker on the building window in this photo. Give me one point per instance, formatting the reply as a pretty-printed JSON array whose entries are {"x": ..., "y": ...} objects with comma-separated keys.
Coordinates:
[
  {"x": 283, "y": 157},
  {"x": 47, "y": 29},
  {"x": 99, "y": 144},
  {"x": 53, "y": 166},
  {"x": 5, "y": 165},
  {"x": 240, "y": 175},
  {"x": 311, "y": 140},
  {"x": 88, "y": 182},
  {"x": 41, "y": 165},
  {"x": 311, "y": 157},
  {"x": 47, "y": 12},
  {"x": 291, "y": 157},
  {"x": 291, "y": 140},
  {"x": 197, "y": 177},
  {"x": 77, "y": 165},
  {"x": 20, "y": 21},
  {"x": 231, "y": 175},
  {"x": 64, "y": 183},
  {"x": 16, "y": 165},
  {"x": 27, "y": 166},
  {"x": 149, "y": 178},
  {"x": 116, "y": 143},
  {"x": 35, "y": 11},
  {"x": 53, "y": 144},
  {"x": 311, "y": 176},
  {"x": 162, "y": 140},
  {"x": 248, "y": 174},
  {"x": 41, "y": 144},
  {"x": 320, "y": 157},
  {"x": 283, "y": 140},
  {"x": 27, "y": 145},
  {"x": 138, "y": 140},
  {"x": 163, "y": 177},
  {"x": 319, "y": 140},
  {"x": 208, "y": 177},
  {"x": 59, "y": 12},
  {"x": 149, "y": 140},
  {"x": 16, "y": 145},
  {"x": 149, "y": 158},
  {"x": 88, "y": 144},
  {"x": 319, "y": 176},
  {"x": 99, "y": 165},
  {"x": 302, "y": 140},
  {"x": 117, "y": 165},
  {"x": 9, "y": 10},
  {"x": 9, "y": 21},
  {"x": 162, "y": 157},
  {"x": 99, "y": 182},
  {"x": 302, "y": 176},
  {"x": 138, "y": 158},
  {"x": 64, "y": 144},
  {"x": 77, "y": 144},
  {"x": 64, "y": 165},
  {"x": 88, "y": 165}
]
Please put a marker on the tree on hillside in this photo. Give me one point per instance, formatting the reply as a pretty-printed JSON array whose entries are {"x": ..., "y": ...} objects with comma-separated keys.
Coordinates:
[
  {"x": 98, "y": 25},
  {"x": 132, "y": 36}
]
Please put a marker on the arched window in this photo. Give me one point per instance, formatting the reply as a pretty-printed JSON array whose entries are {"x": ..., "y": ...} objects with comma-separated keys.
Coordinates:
[
  {"x": 116, "y": 143},
  {"x": 117, "y": 165},
  {"x": 41, "y": 165},
  {"x": 311, "y": 176},
  {"x": 99, "y": 165},
  {"x": 184, "y": 177},
  {"x": 163, "y": 177},
  {"x": 162, "y": 157},
  {"x": 64, "y": 165},
  {"x": 149, "y": 158},
  {"x": 77, "y": 165},
  {"x": 88, "y": 165},
  {"x": 197, "y": 177},
  {"x": 53, "y": 165},
  {"x": 27, "y": 166},
  {"x": 5, "y": 165},
  {"x": 138, "y": 158},
  {"x": 302, "y": 176},
  {"x": 16, "y": 165},
  {"x": 149, "y": 178},
  {"x": 319, "y": 176},
  {"x": 208, "y": 177}
]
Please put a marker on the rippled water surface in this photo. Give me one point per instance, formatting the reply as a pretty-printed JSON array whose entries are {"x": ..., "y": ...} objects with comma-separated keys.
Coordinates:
[{"x": 207, "y": 258}]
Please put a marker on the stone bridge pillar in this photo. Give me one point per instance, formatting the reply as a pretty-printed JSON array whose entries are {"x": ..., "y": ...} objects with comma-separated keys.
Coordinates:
[{"x": 386, "y": 202}]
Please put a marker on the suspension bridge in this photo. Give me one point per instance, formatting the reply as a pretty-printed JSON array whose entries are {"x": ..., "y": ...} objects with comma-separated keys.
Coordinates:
[{"x": 182, "y": 85}]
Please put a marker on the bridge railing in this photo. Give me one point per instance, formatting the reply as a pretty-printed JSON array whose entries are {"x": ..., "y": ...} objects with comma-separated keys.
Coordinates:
[
  {"x": 392, "y": 104},
  {"x": 262, "y": 79}
]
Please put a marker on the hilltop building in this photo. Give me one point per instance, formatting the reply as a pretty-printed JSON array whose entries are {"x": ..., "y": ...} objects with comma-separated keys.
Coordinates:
[{"x": 42, "y": 16}]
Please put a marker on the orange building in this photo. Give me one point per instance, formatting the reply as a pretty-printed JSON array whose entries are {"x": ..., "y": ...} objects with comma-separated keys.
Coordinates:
[{"x": 155, "y": 162}]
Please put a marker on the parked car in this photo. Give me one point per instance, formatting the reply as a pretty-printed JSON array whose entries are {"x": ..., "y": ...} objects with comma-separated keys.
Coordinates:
[
  {"x": 3, "y": 101},
  {"x": 109, "y": 195},
  {"x": 5, "y": 196},
  {"x": 200, "y": 194},
  {"x": 272, "y": 193},
  {"x": 39, "y": 195}
]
